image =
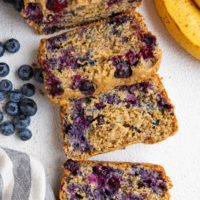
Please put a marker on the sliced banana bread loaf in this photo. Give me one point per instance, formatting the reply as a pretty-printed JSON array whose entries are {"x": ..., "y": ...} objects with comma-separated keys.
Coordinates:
[
  {"x": 95, "y": 58},
  {"x": 90, "y": 180},
  {"x": 49, "y": 16},
  {"x": 139, "y": 113}
]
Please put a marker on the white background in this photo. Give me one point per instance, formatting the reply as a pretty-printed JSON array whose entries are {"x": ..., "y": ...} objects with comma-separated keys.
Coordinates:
[{"x": 180, "y": 155}]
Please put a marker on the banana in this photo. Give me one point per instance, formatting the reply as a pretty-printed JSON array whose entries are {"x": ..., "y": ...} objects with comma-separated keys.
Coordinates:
[
  {"x": 182, "y": 19},
  {"x": 197, "y": 2}
]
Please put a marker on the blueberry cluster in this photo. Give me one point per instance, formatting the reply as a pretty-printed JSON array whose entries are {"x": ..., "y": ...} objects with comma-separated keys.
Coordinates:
[
  {"x": 18, "y": 4},
  {"x": 11, "y": 46},
  {"x": 18, "y": 104}
]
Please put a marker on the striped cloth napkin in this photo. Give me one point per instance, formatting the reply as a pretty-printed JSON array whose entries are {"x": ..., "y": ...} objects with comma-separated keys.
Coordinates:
[{"x": 22, "y": 177}]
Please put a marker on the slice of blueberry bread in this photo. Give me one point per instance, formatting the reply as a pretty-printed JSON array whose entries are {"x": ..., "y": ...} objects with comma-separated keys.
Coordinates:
[
  {"x": 97, "y": 57},
  {"x": 49, "y": 16},
  {"x": 138, "y": 113},
  {"x": 91, "y": 180}
]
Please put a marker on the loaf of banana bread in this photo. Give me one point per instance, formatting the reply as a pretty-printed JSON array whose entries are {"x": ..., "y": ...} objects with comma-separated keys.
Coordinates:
[
  {"x": 97, "y": 57},
  {"x": 90, "y": 180},
  {"x": 49, "y": 16},
  {"x": 129, "y": 114}
]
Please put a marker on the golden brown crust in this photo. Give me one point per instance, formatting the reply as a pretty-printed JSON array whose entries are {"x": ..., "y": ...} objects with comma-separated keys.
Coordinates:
[{"x": 120, "y": 165}]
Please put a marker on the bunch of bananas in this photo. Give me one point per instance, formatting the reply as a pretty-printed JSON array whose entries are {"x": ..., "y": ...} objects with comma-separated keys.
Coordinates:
[{"x": 182, "y": 19}]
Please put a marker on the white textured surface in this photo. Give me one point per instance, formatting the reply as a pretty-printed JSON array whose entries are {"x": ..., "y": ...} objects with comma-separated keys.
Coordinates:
[{"x": 180, "y": 155}]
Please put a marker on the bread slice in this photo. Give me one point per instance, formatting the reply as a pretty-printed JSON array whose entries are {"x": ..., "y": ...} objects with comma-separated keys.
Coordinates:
[
  {"x": 49, "y": 16},
  {"x": 91, "y": 180},
  {"x": 139, "y": 113},
  {"x": 97, "y": 57}
]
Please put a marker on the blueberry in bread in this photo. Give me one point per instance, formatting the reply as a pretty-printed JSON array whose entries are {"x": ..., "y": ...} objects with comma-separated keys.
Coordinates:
[
  {"x": 97, "y": 57},
  {"x": 138, "y": 113},
  {"x": 49, "y": 16},
  {"x": 91, "y": 180}
]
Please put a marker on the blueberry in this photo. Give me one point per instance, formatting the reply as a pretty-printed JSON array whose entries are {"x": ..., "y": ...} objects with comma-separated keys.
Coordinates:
[
  {"x": 2, "y": 96},
  {"x": 28, "y": 90},
  {"x": 5, "y": 85},
  {"x": 28, "y": 107},
  {"x": 12, "y": 45},
  {"x": 19, "y": 5},
  {"x": 25, "y": 134},
  {"x": 38, "y": 75},
  {"x": 1, "y": 116},
  {"x": 2, "y": 49},
  {"x": 25, "y": 72},
  {"x": 12, "y": 108},
  {"x": 87, "y": 87},
  {"x": 15, "y": 96},
  {"x": 4, "y": 69},
  {"x": 7, "y": 128},
  {"x": 123, "y": 70},
  {"x": 21, "y": 121}
]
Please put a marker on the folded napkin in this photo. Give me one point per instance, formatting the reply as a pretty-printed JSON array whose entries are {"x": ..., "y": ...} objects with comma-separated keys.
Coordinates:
[{"x": 22, "y": 177}]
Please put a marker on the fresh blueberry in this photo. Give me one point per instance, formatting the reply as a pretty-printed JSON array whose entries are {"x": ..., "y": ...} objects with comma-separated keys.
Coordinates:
[
  {"x": 12, "y": 108},
  {"x": 12, "y": 45},
  {"x": 38, "y": 75},
  {"x": 25, "y": 72},
  {"x": 1, "y": 116},
  {"x": 15, "y": 96},
  {"x": 2, "y": 96},
  {"x": 25, "y": 134},
  {"x": 2, "y": 49},
  {"x": 86, "y": 87},
  {"x": 21, "y": 121},
  {"x": 28, "y": 107},
  {"x": 28, "y": 90},
  {"x": 5, "y": 85},
  {"x": 7, "y": 128},
  {"x": 19, "y": 5},
  {"x": 4, "y": 69}
]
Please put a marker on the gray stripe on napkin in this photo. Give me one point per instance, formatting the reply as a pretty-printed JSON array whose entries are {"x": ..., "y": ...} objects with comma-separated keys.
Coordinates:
[
  {"x": 1, "y": 188},
  {"x": 22, "y": 174}
]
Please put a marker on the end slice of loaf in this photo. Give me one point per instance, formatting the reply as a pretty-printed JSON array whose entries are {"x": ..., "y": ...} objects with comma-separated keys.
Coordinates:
[
  {"x": 129, "y": 114},
  {"x": 90, "y": 180},
  {"x": 97, "y": 57},
  {"x": 49, "y": 16}
]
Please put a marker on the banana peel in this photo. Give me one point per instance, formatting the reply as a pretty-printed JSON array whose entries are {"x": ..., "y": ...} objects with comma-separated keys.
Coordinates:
[
  {"x": 197, "y": 2},
  {"x": 182, "y": 19}
]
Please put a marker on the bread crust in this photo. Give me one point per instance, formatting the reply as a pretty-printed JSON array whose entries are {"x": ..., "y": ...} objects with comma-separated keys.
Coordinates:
[{"x": 120, "y": 165}]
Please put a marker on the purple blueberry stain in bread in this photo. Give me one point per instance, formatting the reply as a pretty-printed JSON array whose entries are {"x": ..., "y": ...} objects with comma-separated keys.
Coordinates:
[
  {"x": 118, "y": 20},
  {"x": 72, "y": 166},
  {"x": 34, "y": 13},
  {"x": 111, "y": 2},
  {"x": 75, "y": 82},
  {"x": 54, "y": 84},
  {"x": 87, "y": 87},
  {"x": 163, "y": 103},
  {"x": 56, "y": 5},
  {"x": 123, "y": 70},
  {"x": 77, "y": 130},
  {"x": 153, "y": 180},
  {"x": 149, "y": 39}
]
